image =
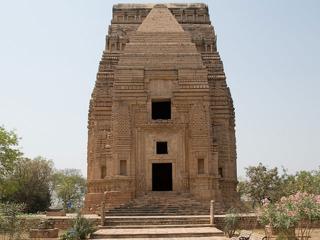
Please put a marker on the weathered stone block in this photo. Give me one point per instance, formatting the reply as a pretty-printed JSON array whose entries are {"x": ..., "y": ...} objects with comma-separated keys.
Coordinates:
[
  {"x": 44, "y": 233},
  {"x": 59, "y": 213}
]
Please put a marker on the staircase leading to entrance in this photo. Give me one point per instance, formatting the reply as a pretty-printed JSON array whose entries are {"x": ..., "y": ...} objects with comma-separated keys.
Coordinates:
[
  {"x": 159, "y": 215},
  {"x": 161, "y": 204}
]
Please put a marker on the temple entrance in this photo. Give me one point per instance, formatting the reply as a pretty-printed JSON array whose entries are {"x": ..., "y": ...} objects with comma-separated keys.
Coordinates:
[{"x": 162, "y": 177}]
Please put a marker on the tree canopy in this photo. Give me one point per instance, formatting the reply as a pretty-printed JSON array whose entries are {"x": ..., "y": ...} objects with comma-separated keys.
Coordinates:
[
  {"x": 69, "y": 185},
  {"x": 262, "y": 182},
  {"x": 33, "y": 182},
  {"x": 9, "y": 152}
]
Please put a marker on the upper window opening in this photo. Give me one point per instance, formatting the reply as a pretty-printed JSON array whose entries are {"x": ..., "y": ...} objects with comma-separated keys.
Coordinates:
[
  {"x": 201, "y": 166},
  {"x": 123, "y": 167},
  {"x": 161, "y": 109},
  {"x": 103, "y": 172},
  {"x": 162, "y": 148}
]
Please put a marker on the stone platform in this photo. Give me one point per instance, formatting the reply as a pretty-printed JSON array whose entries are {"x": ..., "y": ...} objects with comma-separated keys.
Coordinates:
[
  {"x": 158, "y": 227},
  {"x": 158, "y": 232},
  {"x": 176, "y": 238},
  {"x": 158, "y": 215}
]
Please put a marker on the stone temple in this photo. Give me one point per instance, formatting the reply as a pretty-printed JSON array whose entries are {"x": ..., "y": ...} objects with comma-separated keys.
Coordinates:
[{"x": 161, "y": 117}]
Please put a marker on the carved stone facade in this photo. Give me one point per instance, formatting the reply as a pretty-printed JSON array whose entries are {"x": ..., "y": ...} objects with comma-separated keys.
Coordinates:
[{"x": 161, "y": 59}]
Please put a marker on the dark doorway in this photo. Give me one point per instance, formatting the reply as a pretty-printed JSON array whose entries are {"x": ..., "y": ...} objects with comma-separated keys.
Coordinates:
[
  {"x": 162, "y": 177},
  {"x": 161, "y": 109}
]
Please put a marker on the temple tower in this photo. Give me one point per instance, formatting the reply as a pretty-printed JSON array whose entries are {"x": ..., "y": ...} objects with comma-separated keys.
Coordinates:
[{"x": 161, "y": 117}]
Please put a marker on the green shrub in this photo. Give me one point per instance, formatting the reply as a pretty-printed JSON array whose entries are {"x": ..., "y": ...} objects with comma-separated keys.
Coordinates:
[
  {"x": 298, "y": 211},
  {"x": 81, "y": 229},
  {"x": 231, "y": 222},
  {"x": 11, "y": 225}
]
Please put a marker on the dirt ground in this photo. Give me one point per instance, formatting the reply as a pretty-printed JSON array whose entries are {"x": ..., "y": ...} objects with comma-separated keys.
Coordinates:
[
  {"x": 26, "y": 236},
  {"x": 315, "y": 233}
]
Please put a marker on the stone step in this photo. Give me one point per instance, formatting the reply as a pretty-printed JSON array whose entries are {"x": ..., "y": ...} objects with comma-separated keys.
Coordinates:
[
  {"x": 156, "y": 226},
  {"x": 161, "y": 207},
  {"x": 135, "y": 209},
  {"x": 173, "y": 238},
  {"x": 157, "y": 233},
  {"x": 162, "y": 203},
  {"x": 158, "y": 207},
  {"x": 153, "y": 203},
  {"x": 156, "y": 220},
  {"x": 158, "y": 210},
  {"x": 154, "y": 213},
  {"x": 167, "y": 201},
  {"x": 150, "y": 209}
]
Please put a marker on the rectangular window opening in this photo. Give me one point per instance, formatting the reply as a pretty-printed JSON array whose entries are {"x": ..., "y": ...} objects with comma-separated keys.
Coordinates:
[
  {"x": 201, "y": 17},
  {"x": 161, "y": 109},
  {"x": 201, "y": 166},
  {"x": 103, "y": 172},
  {"x": 123, "y": 167},
  {"x": 190, "y": 17},
  {"x": 220, "y": 172},
  {"x": 120, "y": 18},
  {"x": 162, "y": 148}
]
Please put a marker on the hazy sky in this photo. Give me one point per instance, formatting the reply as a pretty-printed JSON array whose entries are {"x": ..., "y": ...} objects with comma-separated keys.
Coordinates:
[{"x": 50, "y": 51}]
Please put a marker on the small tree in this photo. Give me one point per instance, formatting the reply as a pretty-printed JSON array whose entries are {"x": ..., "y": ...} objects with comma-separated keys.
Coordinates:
[
  {"x": 262, "y": 183},
  {"x": 69, "y": 186},
  {"x": 9, "y": 156},
  {"x": 306, "y": 181},
  {"x": 31, "y": 180},
  {"x": 231, "y": 222}
]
